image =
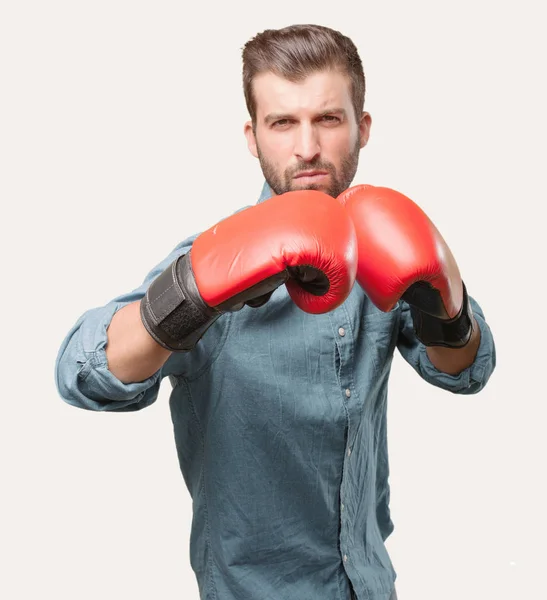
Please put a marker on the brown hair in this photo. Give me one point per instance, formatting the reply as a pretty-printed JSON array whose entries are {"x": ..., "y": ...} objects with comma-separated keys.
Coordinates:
[{"x": 295, "y": 52}]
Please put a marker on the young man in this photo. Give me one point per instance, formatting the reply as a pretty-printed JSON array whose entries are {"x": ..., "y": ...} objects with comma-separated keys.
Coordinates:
[{"x": 279, "y": 364}]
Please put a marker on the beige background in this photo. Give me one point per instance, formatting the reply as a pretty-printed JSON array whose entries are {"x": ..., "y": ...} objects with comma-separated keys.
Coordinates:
[{"x": 116, "y": 115}]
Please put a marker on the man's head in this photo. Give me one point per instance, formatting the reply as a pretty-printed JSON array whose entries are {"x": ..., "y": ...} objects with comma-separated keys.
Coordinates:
[{"x": 305, "y": 90}]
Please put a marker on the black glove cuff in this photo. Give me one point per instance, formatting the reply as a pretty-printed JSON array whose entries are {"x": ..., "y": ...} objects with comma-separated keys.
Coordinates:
[
  {"x": 173, "y": 311},
  {"x": 453, "y": 333}
]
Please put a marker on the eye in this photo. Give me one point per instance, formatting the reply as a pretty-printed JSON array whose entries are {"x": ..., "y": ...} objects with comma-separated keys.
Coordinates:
[
  {"x": 280, "y": 123},
  {"x": 330, "y": 119}
]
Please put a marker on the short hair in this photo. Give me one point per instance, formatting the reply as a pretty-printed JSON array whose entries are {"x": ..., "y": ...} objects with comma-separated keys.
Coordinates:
[{"x": 297, "y": 51}]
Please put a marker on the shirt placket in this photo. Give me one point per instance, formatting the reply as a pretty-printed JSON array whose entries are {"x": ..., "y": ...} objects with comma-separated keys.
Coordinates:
[{"x": 344, "y": 343}]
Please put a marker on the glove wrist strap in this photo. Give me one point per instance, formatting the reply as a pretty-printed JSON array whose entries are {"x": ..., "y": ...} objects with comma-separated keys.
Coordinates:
[
  {"x": 453, "y": 333},
  {"x": 172, "y": 309}
]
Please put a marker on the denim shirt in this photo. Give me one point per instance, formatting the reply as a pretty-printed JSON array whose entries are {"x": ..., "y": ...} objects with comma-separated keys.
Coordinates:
[{"x": 280, "y": 427}]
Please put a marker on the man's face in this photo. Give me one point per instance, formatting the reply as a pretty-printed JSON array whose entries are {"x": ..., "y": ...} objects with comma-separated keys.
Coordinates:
[{"x": 307, "y": 135}]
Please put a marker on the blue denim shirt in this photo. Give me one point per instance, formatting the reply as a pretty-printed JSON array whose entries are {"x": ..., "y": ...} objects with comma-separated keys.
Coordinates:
[{"x": 280, "y": 426}]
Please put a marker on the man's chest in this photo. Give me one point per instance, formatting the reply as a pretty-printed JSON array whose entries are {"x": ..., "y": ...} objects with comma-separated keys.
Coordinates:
[{"x": 277, "y": 366}]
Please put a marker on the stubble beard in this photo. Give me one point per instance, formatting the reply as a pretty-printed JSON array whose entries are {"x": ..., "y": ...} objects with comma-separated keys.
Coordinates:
[{"x": 280, "y": 183}]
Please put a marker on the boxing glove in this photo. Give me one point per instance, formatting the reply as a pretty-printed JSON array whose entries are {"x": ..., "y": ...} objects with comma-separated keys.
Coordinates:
[
  {"x": 402, "y": 255},
  {"x": 303, "y": 239}
]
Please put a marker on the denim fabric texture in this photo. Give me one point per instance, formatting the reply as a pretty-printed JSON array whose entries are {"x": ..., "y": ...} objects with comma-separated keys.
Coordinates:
[{"x": 280, "y": 427}]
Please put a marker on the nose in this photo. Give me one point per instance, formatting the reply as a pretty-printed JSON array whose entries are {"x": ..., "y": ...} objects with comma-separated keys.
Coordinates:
[{"x": 306, "y": 146}]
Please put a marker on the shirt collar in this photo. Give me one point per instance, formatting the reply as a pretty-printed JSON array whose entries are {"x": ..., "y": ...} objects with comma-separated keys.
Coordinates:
[{"x": 266, "y": 193}]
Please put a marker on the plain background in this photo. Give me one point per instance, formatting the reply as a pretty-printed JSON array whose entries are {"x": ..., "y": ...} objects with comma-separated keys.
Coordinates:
[{"x": 121, "y": 133}]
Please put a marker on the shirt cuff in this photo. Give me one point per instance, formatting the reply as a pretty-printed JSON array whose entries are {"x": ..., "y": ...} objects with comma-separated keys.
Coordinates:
[
  {"x": 94, "y": 386},
  {"x": 472, "y": 379}
]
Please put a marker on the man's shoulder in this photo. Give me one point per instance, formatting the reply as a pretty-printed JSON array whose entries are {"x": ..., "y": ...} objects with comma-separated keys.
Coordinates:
[{"x": 188, "y": 242}]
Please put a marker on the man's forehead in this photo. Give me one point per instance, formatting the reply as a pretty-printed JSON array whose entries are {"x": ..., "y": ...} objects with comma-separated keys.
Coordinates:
[{"x": 318, "y": 91}]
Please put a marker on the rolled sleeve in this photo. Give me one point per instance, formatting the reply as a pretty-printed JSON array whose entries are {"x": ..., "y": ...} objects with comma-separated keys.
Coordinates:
[
  {"x": 82, "y": 376},
  {"x": 469, "y": 381}
]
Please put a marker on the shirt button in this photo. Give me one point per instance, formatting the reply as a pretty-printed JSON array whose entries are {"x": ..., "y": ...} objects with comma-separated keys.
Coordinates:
[
  {"x": 342, "y": 507},
  {"x": 342, "y": 332},
  {"x": 345, "y": 558},
  {"x": 348, "y": 392},
  {"x": 349, "y": 451}
]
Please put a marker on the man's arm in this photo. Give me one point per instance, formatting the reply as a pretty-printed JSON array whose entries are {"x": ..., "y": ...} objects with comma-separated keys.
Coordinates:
[
  {"x": 457, "y": 375},
  {"x": 455, "y": 360},
  {"x": 114, "y": 354},
  {"x": 109, "y": 341},
  {"x": 131, "y": 353}
]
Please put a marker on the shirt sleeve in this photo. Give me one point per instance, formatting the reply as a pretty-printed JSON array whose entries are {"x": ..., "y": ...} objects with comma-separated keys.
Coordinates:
[
  {"x": 469, "y": 381},
  {"x": 82, "y": 376}
]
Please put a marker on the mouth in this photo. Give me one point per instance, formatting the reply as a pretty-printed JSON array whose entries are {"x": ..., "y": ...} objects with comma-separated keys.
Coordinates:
[{"x": 312, "y": 175}]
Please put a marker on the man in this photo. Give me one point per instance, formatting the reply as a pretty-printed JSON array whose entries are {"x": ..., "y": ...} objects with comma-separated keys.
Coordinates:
[{"x": 279, "y": 365}]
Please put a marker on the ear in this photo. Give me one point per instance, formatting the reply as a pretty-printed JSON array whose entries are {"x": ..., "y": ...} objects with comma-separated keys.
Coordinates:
[
  {"x": 364, "y": 128},
  {"x": 251, "y": 140}
]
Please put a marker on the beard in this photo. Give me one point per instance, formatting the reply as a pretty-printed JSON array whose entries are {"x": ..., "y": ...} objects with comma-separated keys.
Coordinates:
[{"x": 284, "y": 182}]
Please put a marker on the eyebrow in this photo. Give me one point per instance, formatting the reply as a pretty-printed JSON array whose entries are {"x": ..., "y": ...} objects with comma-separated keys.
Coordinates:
[{"x": 278, "y": 116}]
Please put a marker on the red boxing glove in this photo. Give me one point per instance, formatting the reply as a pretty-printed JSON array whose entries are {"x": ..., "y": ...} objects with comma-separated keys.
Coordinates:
[
  {"x": 303, "y": 239},
  {"x": 403, "y": 255}
]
